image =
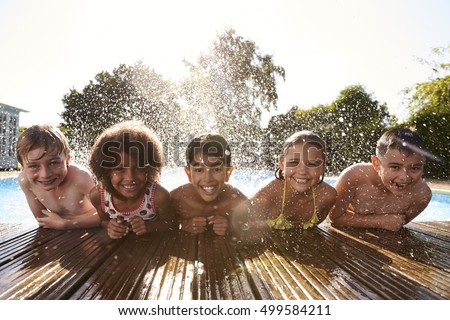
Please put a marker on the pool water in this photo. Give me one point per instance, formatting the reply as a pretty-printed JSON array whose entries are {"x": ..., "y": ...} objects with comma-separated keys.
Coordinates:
[{"x": 14, "y": 207}]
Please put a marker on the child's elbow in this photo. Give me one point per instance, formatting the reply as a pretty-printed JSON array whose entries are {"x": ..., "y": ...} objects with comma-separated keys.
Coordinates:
[{"x": 334, "y": 215}]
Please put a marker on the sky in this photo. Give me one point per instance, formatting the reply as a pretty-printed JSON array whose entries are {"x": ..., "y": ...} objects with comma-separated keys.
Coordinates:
[{"x": 51, "y": 46}]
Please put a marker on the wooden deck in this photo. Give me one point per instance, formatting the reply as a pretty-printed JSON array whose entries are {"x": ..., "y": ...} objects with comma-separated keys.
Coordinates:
[{"x": 323, "y": 263}]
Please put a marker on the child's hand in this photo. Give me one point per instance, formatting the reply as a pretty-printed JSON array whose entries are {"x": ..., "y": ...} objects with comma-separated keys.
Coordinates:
[
  {"x": 394, "y": 222},
  {"x": 194, "y": 225},
  {"x": 219, "y": 223},
  {"x": 116, "y": 229},
  {"x": 138, "y": 226},
  {"x": 51, "y": 220}
]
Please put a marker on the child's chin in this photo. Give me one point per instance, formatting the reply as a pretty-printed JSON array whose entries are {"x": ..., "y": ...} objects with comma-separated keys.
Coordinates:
[
  {"x": 208, "y": 197},
  {"x": 49, "y": 186}
]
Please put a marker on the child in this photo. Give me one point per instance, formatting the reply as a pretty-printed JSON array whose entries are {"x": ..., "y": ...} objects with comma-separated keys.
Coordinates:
[
  {"x": 207, "y": 199},
  {"x": 127, "y": 160},
  {"x": 56, "y": 190},
  {"x": 389, "y": 192},
  {"x": 297, "y": 196}
]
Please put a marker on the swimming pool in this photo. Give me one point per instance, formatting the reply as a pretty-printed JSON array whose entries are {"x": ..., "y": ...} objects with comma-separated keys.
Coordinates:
[{"x": 14, "y": 207}]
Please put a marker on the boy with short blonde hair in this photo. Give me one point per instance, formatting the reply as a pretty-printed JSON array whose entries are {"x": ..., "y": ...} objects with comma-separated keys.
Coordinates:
[
  {"x": 56, "y": 190},
  {"x": 387, "y": 193}
]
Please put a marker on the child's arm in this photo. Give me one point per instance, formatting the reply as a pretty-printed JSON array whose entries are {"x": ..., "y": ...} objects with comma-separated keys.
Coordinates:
[
  {"x": 35, "y": 205},
  {"x": 260, "y": 204},
  {"x": 343, "y": 215},
  {"x": 219, "y": 224},
  {"x": 421, "y": 201},
  {"x": 84, "y": 184},
  {"x": 345, "y": 188},
  {"x": 222, "y": 223},
  {"x": 326, "y": 199},
  {"x": 114, "y": 228},
  {"x": 53, "y": 220},
  {"x": 164, "y": 210},
  {"x": 186, "y": 222}
]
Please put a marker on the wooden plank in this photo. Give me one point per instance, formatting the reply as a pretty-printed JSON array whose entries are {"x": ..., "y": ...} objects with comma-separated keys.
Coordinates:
[
  {"x": 171, "y": 275},
  {"x": 52, "y": 268},
  {"x": 400, "y": 277},
  {"x": 321, "y": 263},
  {"x": 291, "y": 266},
  {"x": 119, "y": 275}
]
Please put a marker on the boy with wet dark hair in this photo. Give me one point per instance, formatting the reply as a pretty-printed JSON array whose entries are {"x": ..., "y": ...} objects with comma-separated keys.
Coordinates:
[
  {"x": 387, "y": 193},
  {"x": 207, "y": 199}
]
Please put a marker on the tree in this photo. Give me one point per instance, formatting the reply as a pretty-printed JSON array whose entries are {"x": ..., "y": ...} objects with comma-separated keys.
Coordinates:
[
  {"x": 130, "y": 92},
  {"x": 350, "y": 127},
  {"x": 429, "y": 103},
  {"x": 227, "y": 90},
  {"x": 358, "y": 122},
  {"x": 279, "y": 128}
]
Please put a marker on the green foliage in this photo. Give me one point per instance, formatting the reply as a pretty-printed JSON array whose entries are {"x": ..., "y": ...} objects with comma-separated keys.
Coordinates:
[
  {"x": 227, "y": 90},
  {"x": 434, "y": 128},
  {"x": 429, "y": 103},
  {"x": 130, "y": 92},
  {"x": 350, "y": 126},
  {"x": 433, "y": 95},
  {"x": 358, "y": 122}
]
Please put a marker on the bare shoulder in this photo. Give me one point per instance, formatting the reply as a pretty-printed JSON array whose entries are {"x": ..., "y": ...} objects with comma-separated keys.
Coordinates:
[
  {"x": 327, "y": 191},
  {"x": 266, "y": 191},
  {"x": 235, "y": 192},
  {"x": 161, "y": 192},
  {"x": 79, "y": 172},
  {"x": 24, "y": 183},
  {"x": 95, "y": 196},
  {"x": 181, "y": 191},
  {"x": 357, "y": 170},
  {"x": 423, "y": 190},
  {"x": 355, "y": 175}
]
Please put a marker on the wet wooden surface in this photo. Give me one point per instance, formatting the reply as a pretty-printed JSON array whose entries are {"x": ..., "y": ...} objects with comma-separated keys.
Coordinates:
[{"x": 323, "y": 263}]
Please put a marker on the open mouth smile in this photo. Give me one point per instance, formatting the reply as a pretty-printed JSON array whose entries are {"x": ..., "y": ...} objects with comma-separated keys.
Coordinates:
[
  {"x": 399, "y": 186},
  {"x": 48, "y": 182},
  {"x": 209, "y": 189}
]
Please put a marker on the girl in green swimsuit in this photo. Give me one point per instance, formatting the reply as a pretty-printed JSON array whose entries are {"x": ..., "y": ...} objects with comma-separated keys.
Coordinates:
[{"x": 298, "y": 195}]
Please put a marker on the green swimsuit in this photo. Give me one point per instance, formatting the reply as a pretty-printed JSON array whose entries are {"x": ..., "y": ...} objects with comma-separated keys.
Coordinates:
[{"x": 281, "y": 223}]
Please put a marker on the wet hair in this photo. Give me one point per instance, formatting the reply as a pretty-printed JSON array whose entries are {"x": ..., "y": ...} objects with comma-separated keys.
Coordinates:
[
  {"x": 41, "y": 136},
  {"x": 305, "y": 136},
  {"x": 210, "y": 145},
  {"x": 132, "y": 138},
  {"x": 403, "y": 139}
]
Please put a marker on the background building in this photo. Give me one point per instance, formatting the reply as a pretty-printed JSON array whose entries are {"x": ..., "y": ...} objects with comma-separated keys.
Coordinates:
[{"x": 9, "y": 132}]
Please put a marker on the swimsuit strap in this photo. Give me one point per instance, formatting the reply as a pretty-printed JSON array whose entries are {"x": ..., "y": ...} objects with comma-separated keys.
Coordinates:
[
  {"x": 314, "y": 200},
  {"x": 314, "y": 218},
  {"x": 284, "y": 198},
  {"x": 281, "y": 223}
]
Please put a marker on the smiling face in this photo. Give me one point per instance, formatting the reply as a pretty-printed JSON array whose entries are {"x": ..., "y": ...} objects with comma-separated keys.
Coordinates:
[
  {"x": 128, "y": 180},
  {"x": 46, "y": 170},
  {"x": 208, "y": 177},
  {"x": 303, "y": 165},
  {"x": 399, "y": 171}
]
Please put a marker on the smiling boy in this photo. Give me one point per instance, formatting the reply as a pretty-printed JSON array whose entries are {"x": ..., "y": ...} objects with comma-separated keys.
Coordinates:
[
  {"x": 207, "y": 199},
  {"x": 387, "y": 193},
  {"x": 56, "y": 191}
]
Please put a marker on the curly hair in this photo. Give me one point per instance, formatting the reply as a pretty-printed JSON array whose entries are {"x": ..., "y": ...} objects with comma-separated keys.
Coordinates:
[
  {"x": 130, "y": 137},
  {"x": 305, "y": 136},
  {"x": 41, "y": 136}
]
